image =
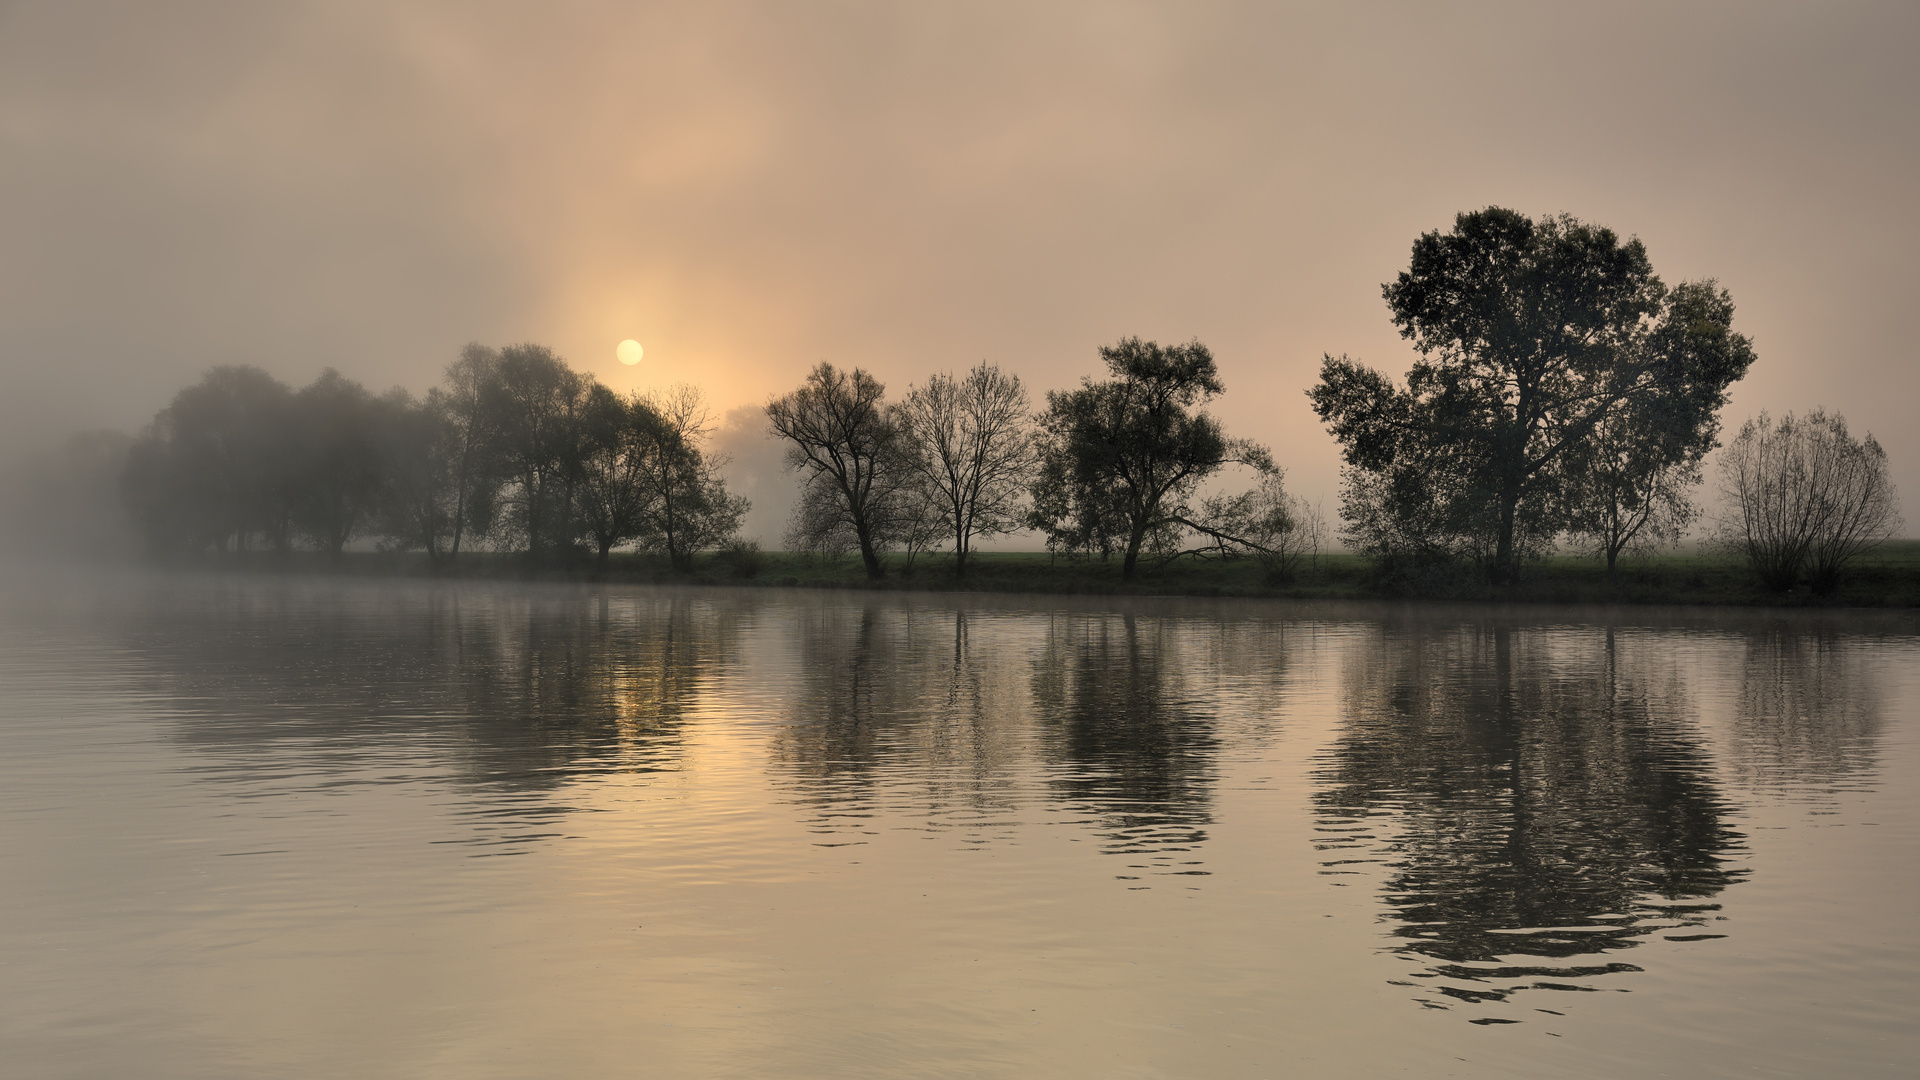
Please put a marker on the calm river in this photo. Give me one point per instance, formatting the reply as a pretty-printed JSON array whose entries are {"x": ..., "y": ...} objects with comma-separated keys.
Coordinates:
[{"x": 252, "y": 827}]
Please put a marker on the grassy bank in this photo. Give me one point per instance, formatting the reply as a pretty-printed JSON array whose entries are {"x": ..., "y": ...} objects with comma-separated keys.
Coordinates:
[{"x": 1886, "y": 577}]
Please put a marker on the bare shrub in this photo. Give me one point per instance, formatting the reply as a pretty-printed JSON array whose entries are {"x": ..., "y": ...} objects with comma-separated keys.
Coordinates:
[{"x": 1802, "y": 498}]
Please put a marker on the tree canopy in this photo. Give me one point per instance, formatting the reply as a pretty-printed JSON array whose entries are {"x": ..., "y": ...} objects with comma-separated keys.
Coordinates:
[
  {"x": 1532, "y": 335},
  {"x": 1122, "y": 458},
  {"x": 516, "y": 448}
]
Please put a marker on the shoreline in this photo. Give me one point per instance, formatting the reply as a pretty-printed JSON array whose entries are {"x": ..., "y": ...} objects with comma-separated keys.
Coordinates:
[{"x": 1886, "y": 579}]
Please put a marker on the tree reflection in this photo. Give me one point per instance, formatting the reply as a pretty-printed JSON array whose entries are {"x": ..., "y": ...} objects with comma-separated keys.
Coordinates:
[
  {"x": 1809, "y": 714},
  {"x": 521, "y": 692},
  {"x": 894, "y": 702},
  {"x": 559, "y": 690},
  {"x": 1538, "y": 799},
  {"x": 1128, "y": 743}
]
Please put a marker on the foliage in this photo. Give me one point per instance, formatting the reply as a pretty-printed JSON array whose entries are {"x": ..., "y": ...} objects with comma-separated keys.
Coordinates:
[
  {"x": 336, "y": 428},
  {"x": 685, "y": 506},
  {"x": 538, "y": 409},
  {"x": 613, "y": 495},
  {"x": 1122, "y": 460},
  {"x": 239, "y": 459},
  {"x": 1268, "y": 522},
  {"x": 470, "y": 445},
  {"x": 742, "y": 557},
  {"x": 215, "y": 468},
  {"x": 1802, "y": 497},
  {"x": 1532, "y": 335}
]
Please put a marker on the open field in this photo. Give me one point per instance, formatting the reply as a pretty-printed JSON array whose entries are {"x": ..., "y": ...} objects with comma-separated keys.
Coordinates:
[{"x": 1886, "y": 577}]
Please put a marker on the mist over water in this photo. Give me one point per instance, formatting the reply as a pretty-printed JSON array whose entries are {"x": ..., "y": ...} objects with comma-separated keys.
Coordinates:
[{"x": 295, "y": 827}]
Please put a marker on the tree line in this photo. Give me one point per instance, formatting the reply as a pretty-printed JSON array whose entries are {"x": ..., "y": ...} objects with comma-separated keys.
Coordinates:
[
  {"x": 515, "y": 450},
  {"x": 1114, "y": 467},
  {"x": 1562, "y": 394}
]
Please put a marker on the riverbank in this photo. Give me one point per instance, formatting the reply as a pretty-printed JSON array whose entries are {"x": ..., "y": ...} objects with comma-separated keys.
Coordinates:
[{"x": 1888, "y": 577}]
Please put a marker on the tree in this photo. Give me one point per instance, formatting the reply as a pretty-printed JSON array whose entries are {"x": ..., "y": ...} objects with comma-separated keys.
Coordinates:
[
  {"x": 338, "y": 478},
  {"x": 685, "y": 505},
  {"x": 536, "y": 409},
  {"x": 974, "y": 451},
  {"x": 848, "y": 446},
  {"x": 1804, "y": 497},
  {"x": 418, "y": 502},
  {"x": 613, "y": 494},
  {"x": 215, "y": 467},
  {"x": 1531, "y": 335},
  {"x": 1628, "y": 489},
  {"x": 1626, "y": 486},
  {"x": 474, "y": 469},
  {"x": 1121, "y": 459}
]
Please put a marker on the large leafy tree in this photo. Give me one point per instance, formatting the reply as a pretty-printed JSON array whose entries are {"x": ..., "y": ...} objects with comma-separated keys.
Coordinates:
[
  {"x": 1531, "y": 334},
  {"x": 611, "y": 494},
  {"x": 217, "y": 467},
  {"x": 418, "y": 500},
  {"x": 339, "y": 469},
  {"x": 538, "y": 409},
  {"x": 1123, "y": 458}
]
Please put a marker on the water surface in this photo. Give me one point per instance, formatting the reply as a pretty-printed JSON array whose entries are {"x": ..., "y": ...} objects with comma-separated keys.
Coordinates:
[{"x": 252, "y": 826}]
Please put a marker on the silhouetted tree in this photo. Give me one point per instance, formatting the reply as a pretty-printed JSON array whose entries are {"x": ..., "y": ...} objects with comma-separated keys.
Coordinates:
[
  {"x": 1531, "y": 334},
  {"x": 849, "y": 449},
  {"x": 1805, "y": 497},
  {"x": 612, "y": 493},
  {"x": 1625, "y": 487},
  {"x": 974, "y": 450},
  {"x": 1121, "y": 459},
  {"x": 217, "y": 466},
  {"x": 686, "y": 506},
  {"x": 418, "y": 502},
  {"x": 473, "y": 465},
  {"x": 537, "y": 413},
  {"x": 338, "y": 476}
]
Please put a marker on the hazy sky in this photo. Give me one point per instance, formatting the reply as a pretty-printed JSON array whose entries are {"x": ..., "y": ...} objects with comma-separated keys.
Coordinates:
[{"x": 909, "y": 187}]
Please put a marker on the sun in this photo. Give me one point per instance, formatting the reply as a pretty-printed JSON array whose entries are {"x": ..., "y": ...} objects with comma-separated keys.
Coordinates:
[{"x": 629, "y": 352}]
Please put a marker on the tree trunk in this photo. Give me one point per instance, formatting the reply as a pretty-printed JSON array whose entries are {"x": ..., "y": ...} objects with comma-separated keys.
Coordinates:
[
  {"x": 1134, "y": 543},
  {"x": 869, "y": 557},
  {"x": 1502, "y": 569}
]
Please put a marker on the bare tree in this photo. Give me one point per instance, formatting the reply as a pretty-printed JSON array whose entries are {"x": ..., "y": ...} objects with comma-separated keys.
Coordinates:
[
  {"x": 974, "y": 450},
  {"x": 848, "y": 445},
  {"x": 1804, "y": 497}
]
